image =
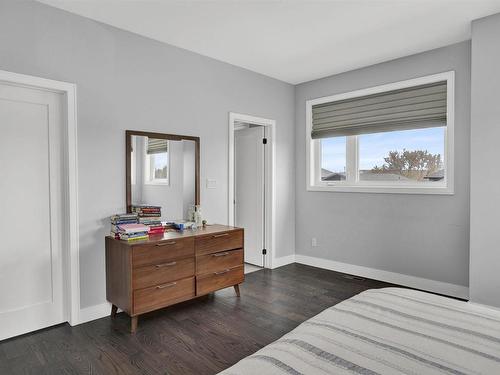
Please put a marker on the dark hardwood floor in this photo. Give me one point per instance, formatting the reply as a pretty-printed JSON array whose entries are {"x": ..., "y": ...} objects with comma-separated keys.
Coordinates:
[{"x": 203, "y": 336}]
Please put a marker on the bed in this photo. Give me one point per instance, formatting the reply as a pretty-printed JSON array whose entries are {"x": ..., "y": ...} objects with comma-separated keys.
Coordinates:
[{"x": 386, "y": 331}]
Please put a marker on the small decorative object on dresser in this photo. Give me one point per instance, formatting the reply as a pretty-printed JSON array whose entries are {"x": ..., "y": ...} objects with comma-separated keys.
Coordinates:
[{"x": 151, "y": 274}]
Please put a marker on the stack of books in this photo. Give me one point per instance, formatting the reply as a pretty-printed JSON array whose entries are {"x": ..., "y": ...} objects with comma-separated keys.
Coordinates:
[
  {"x": 147, "y": 211},
  {"x": 120, "y": 219},
  {"x": 150, "y": 216},
  {"x": 156, "y": 228},
  {"x": 133, "y": 232}
]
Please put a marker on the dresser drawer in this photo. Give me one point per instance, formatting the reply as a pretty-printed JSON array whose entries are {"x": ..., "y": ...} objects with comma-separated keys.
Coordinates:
[
  {"x": 162, "y": 251},
  {"x": 217, "y": 280},
  {"x": 162, "y": 272},
  {"x": 163, "y": 295},
  {"x": 217, "y": 242},
  {"x": 218, "y": 261}
]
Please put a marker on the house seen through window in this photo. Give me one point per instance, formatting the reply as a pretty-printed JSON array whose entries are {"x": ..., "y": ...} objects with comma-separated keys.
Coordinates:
[{"x": 410, "y": 155}]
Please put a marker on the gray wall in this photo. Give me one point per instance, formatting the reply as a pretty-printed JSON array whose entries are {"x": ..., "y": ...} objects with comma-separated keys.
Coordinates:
[
  {"x": 485, "y": 177},
  {"x": 129, "y": 82},
  {"x": 188, "y": 177},
  {"x": 421, "y": 235}
]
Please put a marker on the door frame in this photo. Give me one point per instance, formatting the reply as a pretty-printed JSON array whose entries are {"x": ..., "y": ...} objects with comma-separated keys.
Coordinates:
[
  {"x": 70, "y": 248},
  {"x": 270, "y": 165}
]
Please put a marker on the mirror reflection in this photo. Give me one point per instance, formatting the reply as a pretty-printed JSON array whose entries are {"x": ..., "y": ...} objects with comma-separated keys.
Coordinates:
[{"x": 163, "y": 175}]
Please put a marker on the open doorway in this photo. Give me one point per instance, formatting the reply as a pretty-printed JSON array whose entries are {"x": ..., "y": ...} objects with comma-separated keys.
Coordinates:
[
  {"x": 251, "y": 193},
  {"x": 249, "y": 189}
]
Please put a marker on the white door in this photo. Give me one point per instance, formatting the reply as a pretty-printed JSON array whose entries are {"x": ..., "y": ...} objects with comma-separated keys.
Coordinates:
[
  {"x": 249, "y": 190},
  {"x": 31, "y": 285}
]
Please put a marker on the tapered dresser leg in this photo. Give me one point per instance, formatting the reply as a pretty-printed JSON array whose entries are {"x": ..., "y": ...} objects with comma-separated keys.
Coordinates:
[
  {"x": 133, "y": 324},
  {"x": 237, "y": 289},
  {"x": 114, "y": 310}
]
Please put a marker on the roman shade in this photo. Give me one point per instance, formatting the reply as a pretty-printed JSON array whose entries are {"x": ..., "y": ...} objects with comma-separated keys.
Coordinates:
[
  {"x": 157, "y": 146},
  {"x": 415, "y": 107}
]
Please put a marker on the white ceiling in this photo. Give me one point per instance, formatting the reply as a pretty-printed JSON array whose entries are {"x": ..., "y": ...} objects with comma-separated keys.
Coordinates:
[{"x": 295, "y": 40}]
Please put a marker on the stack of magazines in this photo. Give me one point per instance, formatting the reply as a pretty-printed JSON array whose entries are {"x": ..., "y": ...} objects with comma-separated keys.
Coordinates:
[
  {"x": 120, "y": 219},
  {"x": 133, "y": 232}
]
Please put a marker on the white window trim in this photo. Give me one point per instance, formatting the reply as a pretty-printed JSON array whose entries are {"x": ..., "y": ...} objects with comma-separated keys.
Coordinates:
[
  {"x": 147, "y": 167},
  {"x": 313, "y": 152}
]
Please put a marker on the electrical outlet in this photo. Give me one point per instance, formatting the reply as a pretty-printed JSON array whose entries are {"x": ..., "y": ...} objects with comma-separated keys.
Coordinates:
[
  {"x": 314, "y": 242},
  {"x": 211, "y": 184}
]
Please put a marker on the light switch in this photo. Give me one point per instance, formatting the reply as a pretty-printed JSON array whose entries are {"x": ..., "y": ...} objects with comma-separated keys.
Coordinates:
[{"x": 211, "y": 184}]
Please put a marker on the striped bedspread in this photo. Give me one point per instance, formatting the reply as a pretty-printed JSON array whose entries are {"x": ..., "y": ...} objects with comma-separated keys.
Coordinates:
[{"x": 386, "y": 331}]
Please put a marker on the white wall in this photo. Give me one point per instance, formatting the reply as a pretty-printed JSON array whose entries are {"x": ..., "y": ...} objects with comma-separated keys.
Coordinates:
[
  {"x": 126, "y": 81},
  {"x": 137, "y": 170},
  {"x": 425, "y": 236},
  {"x": 485, "y": 176},
  {"x": 189, "y": 172}
]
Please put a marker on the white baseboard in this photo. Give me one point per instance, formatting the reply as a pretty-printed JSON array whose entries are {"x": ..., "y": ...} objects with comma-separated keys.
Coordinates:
[
  {"x": 283, "y": 261},
  {"x": 387, "y": 276},
  {"x": 485, "y": 307},
  {"x": 94, "y": 312}
]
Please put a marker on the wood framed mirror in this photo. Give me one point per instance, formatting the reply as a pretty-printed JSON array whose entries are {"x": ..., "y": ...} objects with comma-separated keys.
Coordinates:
[{"x": 162, "y": 170}]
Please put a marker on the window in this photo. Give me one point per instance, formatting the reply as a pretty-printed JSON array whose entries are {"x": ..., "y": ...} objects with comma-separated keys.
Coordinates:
[
  {"x": 396, "y": 138},
  {"x": 333, "y": 159},
  {"x": 156, "y": 166}
]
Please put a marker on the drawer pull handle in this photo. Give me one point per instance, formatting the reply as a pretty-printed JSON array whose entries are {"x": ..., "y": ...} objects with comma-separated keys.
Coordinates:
[
  {"x": 166, "y": 286},
  {"x": 220, "y": 235},
  {"x": 166, "y": 243},
  {"x": 165, "y": 264},
  {"x": 221, "y": 272},
  {"x": 220, "y": 254}
]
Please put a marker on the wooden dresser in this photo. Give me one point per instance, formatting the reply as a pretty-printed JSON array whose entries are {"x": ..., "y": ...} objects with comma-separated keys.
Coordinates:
[{"x": 148, "y": 275}]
